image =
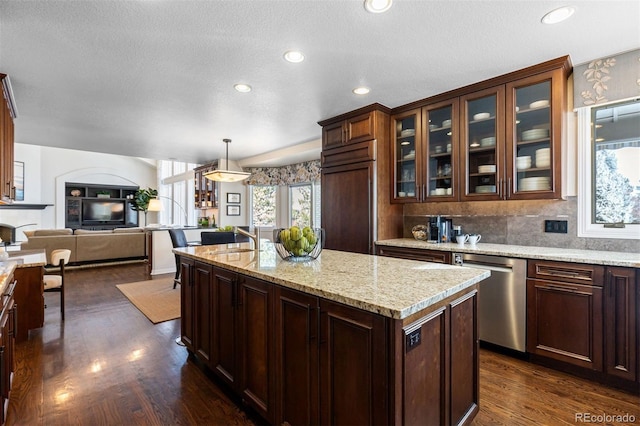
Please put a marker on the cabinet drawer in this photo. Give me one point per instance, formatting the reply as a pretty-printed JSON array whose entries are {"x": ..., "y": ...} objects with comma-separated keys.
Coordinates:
[
  {"x": 354, "y": 153},
  {"x": 415, "y": 254},
  {"x": 566, "y": 272}
]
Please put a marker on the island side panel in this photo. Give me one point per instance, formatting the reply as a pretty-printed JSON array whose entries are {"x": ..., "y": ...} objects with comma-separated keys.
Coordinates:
[{"x": 435, "y": 366}]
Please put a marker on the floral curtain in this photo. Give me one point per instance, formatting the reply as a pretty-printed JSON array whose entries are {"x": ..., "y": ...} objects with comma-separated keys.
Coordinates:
[
  {"x": 607, "y": 79},
  {"x": 308, "y": 171}
]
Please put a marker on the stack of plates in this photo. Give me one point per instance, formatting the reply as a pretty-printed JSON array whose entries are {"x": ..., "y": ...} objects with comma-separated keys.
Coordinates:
[
  {"x": 532, "y": 134},
  {"x": 483, "y": 189},
  {"x": 408, "y": 132},
  {"x": 446, "y": 123},
  {"x": 481, "y": 116},
  {"x": 490, "y": 141},
  {"x": 523, "y": 163},
  {"x": 539, "y": 104},
  {"x": 534, "y": 183},
  {"x": 487, "y": 168},
  {"x": 543, "y": 157}
]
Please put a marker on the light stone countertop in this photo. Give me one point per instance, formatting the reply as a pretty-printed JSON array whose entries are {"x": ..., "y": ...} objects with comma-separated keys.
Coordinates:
[
  {"x": 390, "y": 287},
  {"x": 6, "y": 269},
  {"x": 595, "y": 257}
]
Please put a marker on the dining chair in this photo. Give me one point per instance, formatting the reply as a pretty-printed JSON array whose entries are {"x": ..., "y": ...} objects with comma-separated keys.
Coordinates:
[
  {"x": 55, "y": 282},
  {"x": 217, "y": 237},
  {"x": 178, "y": 239}
]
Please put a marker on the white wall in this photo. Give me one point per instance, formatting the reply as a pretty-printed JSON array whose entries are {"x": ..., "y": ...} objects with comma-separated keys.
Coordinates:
[
  {"x": 47, "y": 169},
  {"x": 237, "y": 187}
]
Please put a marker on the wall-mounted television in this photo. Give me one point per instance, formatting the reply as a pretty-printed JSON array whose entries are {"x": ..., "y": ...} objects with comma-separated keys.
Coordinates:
[{"x": 103, "y": 211}]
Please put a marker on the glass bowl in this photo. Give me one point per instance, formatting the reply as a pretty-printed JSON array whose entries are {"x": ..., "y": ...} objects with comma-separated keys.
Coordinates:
[
  {"x": 420, "y": 232},
  {"x": 298, "y": 244}
]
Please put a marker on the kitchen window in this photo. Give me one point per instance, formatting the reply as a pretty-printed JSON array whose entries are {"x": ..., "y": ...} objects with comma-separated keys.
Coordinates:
[
  {"x": 175, "y": 189},
  {"x": 609, "y": 172},
  {"x": 263, "y": 205},
  {"x": 304, "y": 205}
]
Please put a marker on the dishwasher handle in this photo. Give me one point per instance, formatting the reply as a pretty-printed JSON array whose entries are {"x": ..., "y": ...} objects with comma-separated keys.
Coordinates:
[{"x": 489, "y": 266}]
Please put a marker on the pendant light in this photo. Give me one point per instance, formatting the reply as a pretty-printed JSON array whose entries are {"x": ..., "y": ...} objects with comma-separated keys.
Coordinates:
[{"x": 226, "y": 175}]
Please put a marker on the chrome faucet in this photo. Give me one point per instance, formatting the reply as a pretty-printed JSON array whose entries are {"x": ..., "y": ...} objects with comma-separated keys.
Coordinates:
[{"x": 255, "y": 238}]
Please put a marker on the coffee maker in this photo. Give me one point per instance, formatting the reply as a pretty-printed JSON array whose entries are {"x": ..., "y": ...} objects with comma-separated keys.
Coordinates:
[{"x": 440, "y": 229}]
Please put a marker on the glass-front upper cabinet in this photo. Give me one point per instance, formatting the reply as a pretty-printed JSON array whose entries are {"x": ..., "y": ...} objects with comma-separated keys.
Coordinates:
[
  {"x": 441, "y": 126},
  {"x": 406, "y": 154},
  {"x": 533, "y": 137},
  {"x": 482, "y": 144}
]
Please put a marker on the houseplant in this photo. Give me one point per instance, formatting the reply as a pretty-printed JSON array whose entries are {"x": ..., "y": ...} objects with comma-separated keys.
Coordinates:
[{"x": 141, "y": 201}]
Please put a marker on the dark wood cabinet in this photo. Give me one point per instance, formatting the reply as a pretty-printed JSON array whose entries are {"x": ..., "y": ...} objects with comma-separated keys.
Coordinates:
[
  {"x": 187, "y": 297},
  {"x": 464, "y": 364},
  {"x": 353, "y": 366},
  {"x": 296, "y": 331},
  {"x": 256, "y": 345},
  {"x": 202, "y": 306},
  {"x": 348, "y": 216},
  {"x": 224, "y": 346},
  {"x": 358, "y": 128},
  {"x": 7, "y": 115},
  {"x": 355, "y": 181},
  {"x": 498, "y": 139},
  {"x": 90, "y": 206},
  {"x": 565, "y": 312},
  {"x": 621, "y": 295},
  {"x": 299, "y": 359},
  {"x": 439, "y": 363},
  {"x": 7, "y": 345},
  {"x": 435, "y": 256},
  {"x": 29, "y": 295}
]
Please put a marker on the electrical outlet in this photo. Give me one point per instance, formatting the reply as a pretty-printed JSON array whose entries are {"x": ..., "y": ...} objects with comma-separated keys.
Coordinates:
[
  {"x": 555, "y": 226},
  {"x": 413, "y": 339}
]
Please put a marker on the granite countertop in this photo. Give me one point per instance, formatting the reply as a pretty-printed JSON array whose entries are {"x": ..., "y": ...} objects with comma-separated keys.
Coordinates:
[
  {"x": 390, "y": 287},
  {"x": 6, "y": 269},
  {"x": 595, "y": 257}
]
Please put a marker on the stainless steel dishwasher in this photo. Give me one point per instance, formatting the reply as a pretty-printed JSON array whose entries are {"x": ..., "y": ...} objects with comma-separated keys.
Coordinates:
[{"x": 502, "y": 298}]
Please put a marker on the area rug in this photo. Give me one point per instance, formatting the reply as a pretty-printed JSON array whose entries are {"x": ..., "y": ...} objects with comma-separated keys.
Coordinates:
[{"x": 157, "y": 299}]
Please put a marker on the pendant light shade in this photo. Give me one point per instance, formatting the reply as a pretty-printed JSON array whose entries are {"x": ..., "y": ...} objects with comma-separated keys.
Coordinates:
[{"x": 226, "y": 175}]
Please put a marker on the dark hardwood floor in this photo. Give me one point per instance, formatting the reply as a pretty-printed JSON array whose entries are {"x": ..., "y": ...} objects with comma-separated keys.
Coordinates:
[{"x": 107, "y": 364}]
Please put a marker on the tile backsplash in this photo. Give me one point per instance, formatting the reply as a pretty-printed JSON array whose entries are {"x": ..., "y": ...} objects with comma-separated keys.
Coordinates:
[{"x": 515, "y": 222}]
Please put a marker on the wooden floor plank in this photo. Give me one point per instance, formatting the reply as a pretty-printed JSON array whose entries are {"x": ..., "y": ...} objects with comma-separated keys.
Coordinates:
[{"x": 107, "y": 364}]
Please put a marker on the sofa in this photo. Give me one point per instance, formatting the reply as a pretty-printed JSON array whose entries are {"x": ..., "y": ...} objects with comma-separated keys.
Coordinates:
[{"x": 90, "y": 246}]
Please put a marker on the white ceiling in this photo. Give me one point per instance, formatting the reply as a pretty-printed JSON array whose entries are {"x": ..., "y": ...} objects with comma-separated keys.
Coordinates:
[{"x": 155, "y": 78}]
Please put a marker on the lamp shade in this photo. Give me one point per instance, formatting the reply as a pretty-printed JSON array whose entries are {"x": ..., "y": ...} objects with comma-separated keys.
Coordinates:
[
  {"x": 155, "y": 205},
  {"x": 226, "y": 175}
]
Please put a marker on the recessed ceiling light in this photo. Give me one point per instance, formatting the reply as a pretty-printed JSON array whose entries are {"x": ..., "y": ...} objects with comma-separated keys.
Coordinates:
[
  {"x": 244, "y": 88},
  {"x": 361, "y": 90},
  {"x": 294, "y": 56},
  {"x": 558, "y": 15},
  {"x": 377, "y": 6}
]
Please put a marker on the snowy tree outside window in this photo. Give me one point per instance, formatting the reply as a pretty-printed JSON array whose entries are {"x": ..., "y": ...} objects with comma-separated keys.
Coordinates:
[
  {"x": 616, "y": 163},
  {"x": 263, "y": 201}
]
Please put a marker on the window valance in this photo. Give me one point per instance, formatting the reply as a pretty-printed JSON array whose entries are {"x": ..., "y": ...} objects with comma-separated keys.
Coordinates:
[
  {"x": 309, "y": 171},
  {"x": 607, "y": 79}
]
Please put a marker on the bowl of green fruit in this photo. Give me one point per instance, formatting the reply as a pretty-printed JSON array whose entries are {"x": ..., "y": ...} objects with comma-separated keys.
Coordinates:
[{"x": 297, "y": 244}]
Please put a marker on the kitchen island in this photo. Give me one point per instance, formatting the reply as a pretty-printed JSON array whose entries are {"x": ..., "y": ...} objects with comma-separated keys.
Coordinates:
[{"x": 345, "y": 339}]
